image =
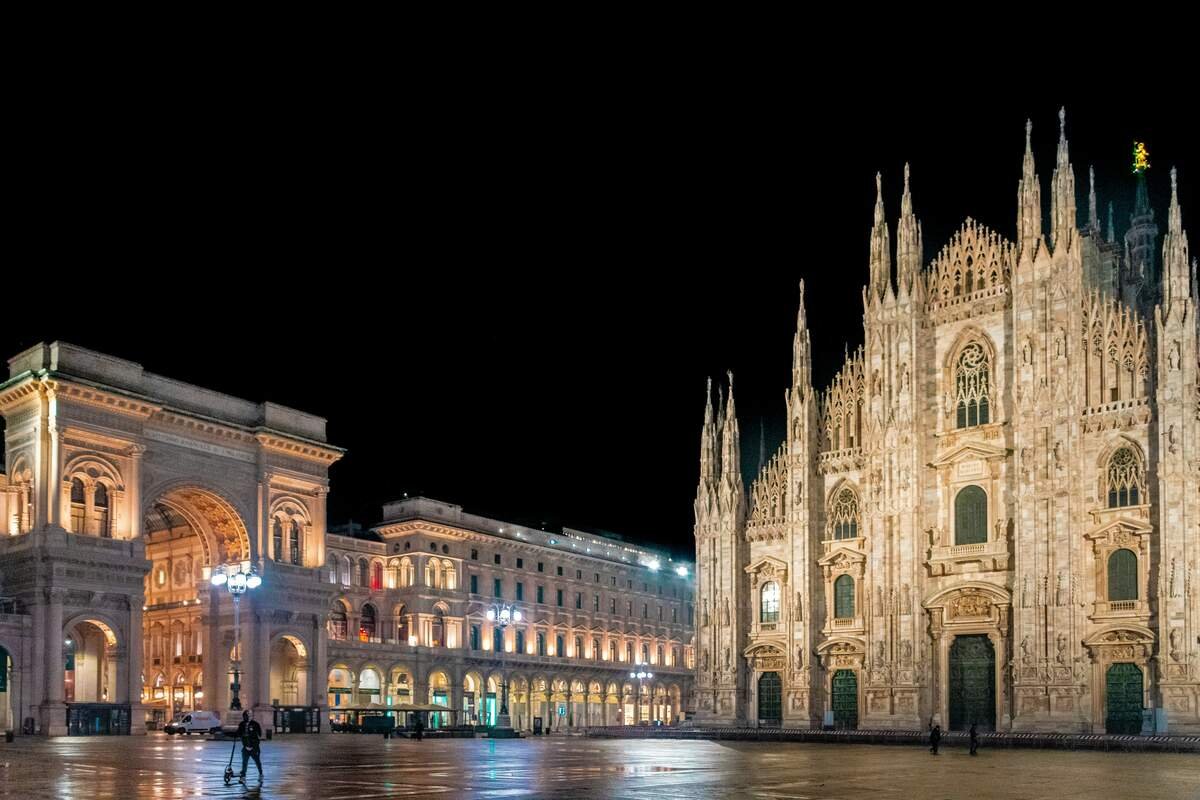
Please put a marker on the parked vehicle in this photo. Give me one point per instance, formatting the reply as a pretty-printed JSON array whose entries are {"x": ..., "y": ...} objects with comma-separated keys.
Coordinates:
[{"x": 195, "y": 722}]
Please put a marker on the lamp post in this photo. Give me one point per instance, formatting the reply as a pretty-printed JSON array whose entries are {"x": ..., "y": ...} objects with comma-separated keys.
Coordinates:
[
  {"x": 641, "y": 677},
  {"x": 238, "y": 578},
  {"x": 504, "y": 615}
]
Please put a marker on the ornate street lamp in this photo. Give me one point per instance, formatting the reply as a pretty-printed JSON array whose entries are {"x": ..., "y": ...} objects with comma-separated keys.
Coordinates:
[
  {"x": 238, "y": 578},
  {"x": 504, "y": 615},
  {"x": 641, "y": 677}
]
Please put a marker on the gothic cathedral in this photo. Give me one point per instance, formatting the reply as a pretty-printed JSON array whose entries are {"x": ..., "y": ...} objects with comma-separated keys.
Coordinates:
[{"x": 992, "y": 513}]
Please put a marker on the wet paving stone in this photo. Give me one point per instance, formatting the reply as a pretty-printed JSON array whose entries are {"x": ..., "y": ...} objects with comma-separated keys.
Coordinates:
[{"x": 333, "y": 767}]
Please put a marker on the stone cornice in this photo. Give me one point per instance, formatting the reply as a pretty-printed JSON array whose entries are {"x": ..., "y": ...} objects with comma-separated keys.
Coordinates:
[{"x": 299, "y": 448}]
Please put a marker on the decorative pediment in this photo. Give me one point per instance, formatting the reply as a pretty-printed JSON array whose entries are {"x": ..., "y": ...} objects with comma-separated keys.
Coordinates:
[
  {"x": 970, "y": 450},
  {"x": 767, "y": 569},
  {"x": 842, "y": 557},
  {"x": 971, "y": 596},
  {"x": 1120, "y": 635},
  {"x": 842, "y": 646},
  {"x": 763, "y": 650},
  {"x": 1124, "y": 530}
]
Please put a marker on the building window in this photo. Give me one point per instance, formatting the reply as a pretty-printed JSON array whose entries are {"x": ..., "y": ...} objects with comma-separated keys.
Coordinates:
[
  {"x": 521, "y": 642},
  {"x": 559, "y": 650},
  {"x": 971, "y": 387},
  {"x": 520, "y": 563},
  {"x": 364, "y": 577},
  {"x": 474, "y": 584},
  {"x": 438, "y": 631},
  {"x": 645, "y": 610},
  {"x": 970, "y": 516},
  {"x": 660, "y": 655},
  {"x": 474, "y": 554},
  {"x": 595, "y": 648},
  {"x": 496, "y": 558},
  {"x": 78, "y": 505},
  {"x": 612, "y": 605},
  {"x": 1124, "y": 479},
  {"x": 346, "y": 570},
  {"x": 578, "y": 574},
  {"x": 843, "y": 597},
  {"x": 560, "y": 572},
  {"x": 376, "y": 576},
  {"x": 674, "y": 614},
  {"x": 541, "y": 592},
  {"x": 366, "y": 624},
  {"x": 541, "y": 567},
  {"x": 614, "y": 580},
  {"x": 769, "y": 602},
  {"x": 558, "y": 597},
  {"x": 629, "y": 608},
  {"x": 433, "y": 547},
  {"x": 612, "y": 651},
  {"x": 332, "y": 565},
  {"x": 579, "y": 599},
  {"x": 474, "y": 637},
  {"x": 498, "y": 640},
  {"x": 338, "y": 623},
  {"x": 496, "y": 587},
  {"x": 401, "y": 625},
  {"x": 629, "y": 652},
  {"x": 597, "y": 577},
  {"x": 595, "y": 602},
  {"x": 277, "y": 540},
  {"x": 100, "y": 504},
  {"x": 446, "y": 549},
  {"x": 294, "y": 543},
  {"x": 843, "y": 517},
  {"x": 541, "y": 644},
  {"x": 1122, "y": 576},
  {"x": 691, "y": 615},
  {"x": 520, "y": 591}
]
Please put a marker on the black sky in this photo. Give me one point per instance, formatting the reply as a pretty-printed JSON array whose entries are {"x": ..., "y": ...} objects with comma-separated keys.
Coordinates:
[{"x": 507, "y": 291}]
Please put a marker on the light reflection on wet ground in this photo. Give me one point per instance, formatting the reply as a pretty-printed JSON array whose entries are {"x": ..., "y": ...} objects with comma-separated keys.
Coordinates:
[{"x": 337, "y": 766}]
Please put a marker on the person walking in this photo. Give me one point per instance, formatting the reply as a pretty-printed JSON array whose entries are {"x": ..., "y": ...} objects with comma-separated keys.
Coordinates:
[
  {"x": 418, "y": 727},
  {"x": 935, "y": 736},
  {"x": 250, "y": 732},
  {"x": 974, "y": 739}
]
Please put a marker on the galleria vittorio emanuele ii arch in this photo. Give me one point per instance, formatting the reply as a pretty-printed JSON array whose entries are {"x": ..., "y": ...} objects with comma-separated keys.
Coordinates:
[{"x": 122, "y": 491}]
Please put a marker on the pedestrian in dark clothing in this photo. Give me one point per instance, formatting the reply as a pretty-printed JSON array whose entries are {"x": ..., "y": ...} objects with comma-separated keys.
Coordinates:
[
  {"x": 974, "y": 738},
  {"x": 418, "y": 728},
  {"x": 935, "y": 736},
  {"x": 250, "y": 732}
]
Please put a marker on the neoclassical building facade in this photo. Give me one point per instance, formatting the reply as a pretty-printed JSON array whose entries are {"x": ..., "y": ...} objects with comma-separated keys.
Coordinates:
[
  {"x": 122, "y": 492},
  {"x": 408, "y": 622},
  {"x": 992, "y": 513}
]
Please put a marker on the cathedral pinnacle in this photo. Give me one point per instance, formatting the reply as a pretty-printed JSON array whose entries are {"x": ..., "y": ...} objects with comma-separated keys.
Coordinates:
[
  {"x": 881, "y": 250},
  {"x": 1029, "y": 200},
  {"x": 1062, "y": 200},
  {"x": 1175, "y": 280},
  {"x": 908, "y": 241},
  {"x": 1093, "y": 215}
]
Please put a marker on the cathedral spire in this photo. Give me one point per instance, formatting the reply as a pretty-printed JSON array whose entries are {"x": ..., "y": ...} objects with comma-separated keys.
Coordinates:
[
  {"x": 1176, "y": 280},
  {"x": 801, "y": 349},
  {"x": 731, "y": 451},
  {"x": 908, "y": 242},
  {"x": 881, "y": 250},
  {"x": 1093, "y": 215},
  {"x": 1029, "y": 200},
  {"x": 1112, "y": 228},
  {"x": 708, "y": 443},
  {"x": 1141, "y": 238},
  {"x": 1062, "y": 199}
]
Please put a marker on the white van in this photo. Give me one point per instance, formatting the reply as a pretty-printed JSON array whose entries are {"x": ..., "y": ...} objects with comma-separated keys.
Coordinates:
[{"x": 195, "y": 722}]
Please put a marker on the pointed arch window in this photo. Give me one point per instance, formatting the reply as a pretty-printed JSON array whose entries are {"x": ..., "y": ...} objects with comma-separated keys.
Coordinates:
[
  {"x": 970, "y": 516},
  {"x": 1124, "y": 479},
  {"x": 769, "y": 602},
  {"x": 843, "y": 518},
  {"x": 843, "y": 597},
  {"x": 972, "y": 388},
  {"x": 1122, "y": 576}
]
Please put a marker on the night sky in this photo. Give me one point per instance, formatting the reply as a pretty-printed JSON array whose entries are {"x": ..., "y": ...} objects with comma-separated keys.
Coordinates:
[{"x": 509, "y": 296}]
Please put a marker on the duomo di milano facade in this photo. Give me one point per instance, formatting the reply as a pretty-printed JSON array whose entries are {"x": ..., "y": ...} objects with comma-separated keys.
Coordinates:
[{"x": 991, "y": 514}]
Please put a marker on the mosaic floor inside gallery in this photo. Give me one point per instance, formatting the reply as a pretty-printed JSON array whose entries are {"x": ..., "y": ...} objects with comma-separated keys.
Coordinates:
[{"x": 336, "y": 766}]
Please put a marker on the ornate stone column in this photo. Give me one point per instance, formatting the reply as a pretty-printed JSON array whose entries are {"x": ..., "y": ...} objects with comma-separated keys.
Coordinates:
[
  {"x": 54, "y": 710},
  {"x": 134, "y": 650}
]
